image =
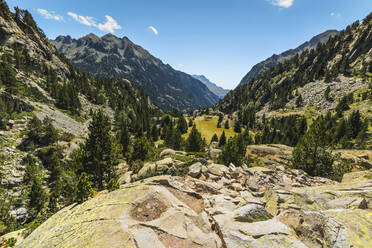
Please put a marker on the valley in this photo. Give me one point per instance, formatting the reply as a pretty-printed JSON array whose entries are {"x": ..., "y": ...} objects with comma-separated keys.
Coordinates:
[{"x": 104, "y": 145}]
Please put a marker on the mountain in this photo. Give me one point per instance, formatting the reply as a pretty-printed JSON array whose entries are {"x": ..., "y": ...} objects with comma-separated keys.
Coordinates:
[
  {"x": 217, "y": 90},
  {"x": 110, "y": 56},
  {"x": 276, "y": 59},
  {"x": 343, "y": 64},
  {"x": 90, "y": 162},
  {"x": 48, "y": 105}
]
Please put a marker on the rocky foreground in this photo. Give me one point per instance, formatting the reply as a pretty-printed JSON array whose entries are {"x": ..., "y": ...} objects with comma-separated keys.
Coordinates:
[{"x": 219, "y": 206}]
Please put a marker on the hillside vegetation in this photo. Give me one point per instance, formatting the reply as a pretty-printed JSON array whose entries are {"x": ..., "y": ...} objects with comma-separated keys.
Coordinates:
[{"x": 348, "y": 54}]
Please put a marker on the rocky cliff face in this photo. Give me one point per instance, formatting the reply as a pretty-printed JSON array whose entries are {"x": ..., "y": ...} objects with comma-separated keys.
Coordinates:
[
  {"x": 16, "y": 34},
  {"x": 219, "y": 91},
  {"x": 110, "y": 56},
  {"x": 276, "y": 59}
]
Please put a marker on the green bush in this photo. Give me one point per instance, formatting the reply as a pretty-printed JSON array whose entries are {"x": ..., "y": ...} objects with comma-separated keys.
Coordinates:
[{"x": 112, "y": 185}]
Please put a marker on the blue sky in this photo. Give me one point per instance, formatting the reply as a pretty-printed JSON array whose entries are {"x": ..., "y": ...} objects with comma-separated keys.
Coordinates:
[{"x": 221, "y": 39}]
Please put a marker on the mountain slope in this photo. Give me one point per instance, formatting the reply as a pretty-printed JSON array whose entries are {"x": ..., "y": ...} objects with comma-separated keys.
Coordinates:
[
  {"x": 276, "y": 59},
  {"x": 46, "y": 105},
  {"x": 110, "y": 56},
  {"x": 33, "y": 68},
  {"x": 348, "y": 54},
  {"x": 219, "y": 91}
]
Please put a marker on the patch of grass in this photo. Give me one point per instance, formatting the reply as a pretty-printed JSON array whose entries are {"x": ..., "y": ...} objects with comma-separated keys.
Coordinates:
[{"x": 208, "y": 127}]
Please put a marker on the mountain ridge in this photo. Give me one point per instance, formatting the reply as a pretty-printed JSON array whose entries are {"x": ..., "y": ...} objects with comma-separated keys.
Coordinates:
[
  {"x": 219, "y": 91},
  {"x": 111, "y": 56},
  {"x": 275, "y": 59},
  {"x": 347, "y": 54}
]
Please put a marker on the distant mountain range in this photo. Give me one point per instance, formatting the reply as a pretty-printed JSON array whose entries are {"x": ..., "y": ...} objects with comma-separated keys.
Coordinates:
[
  {"x": 276, "y": 59},
  {"x": 110, "y": 56},
  {"x": 219, "y": 91}
]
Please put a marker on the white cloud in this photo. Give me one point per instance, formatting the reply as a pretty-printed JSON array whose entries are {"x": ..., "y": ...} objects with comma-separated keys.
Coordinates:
[
  {"x": 50, "y": 14},
  {"x": 154, "y": 30},
  {"x": 336, "y": 15},
  {"x": 282, "y": 3},
  {"x": 109, "y": 26},
  {"x": 85, "y": 20}
]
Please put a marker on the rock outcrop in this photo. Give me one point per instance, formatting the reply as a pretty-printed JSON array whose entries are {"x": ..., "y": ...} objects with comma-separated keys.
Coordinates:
[{"x": 211, "y": 211}]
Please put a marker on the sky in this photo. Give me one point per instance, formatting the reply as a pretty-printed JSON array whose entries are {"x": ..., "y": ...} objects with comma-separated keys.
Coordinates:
[{"x": 221, "y": 39}]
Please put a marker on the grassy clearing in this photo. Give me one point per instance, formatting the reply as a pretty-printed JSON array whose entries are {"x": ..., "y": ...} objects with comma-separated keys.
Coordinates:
[{"x": 208, "y": 127}]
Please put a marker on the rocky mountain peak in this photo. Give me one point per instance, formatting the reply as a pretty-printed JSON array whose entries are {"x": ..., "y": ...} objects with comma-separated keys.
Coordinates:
[
  {"x": 64, "y": 39},
  {"x": 110, "y": 37},
  {"x": 110, "y": 56}
]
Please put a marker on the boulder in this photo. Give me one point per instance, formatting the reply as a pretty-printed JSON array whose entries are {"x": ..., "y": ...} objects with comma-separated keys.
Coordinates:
[
  {"x": 237, "y": 186},
  {"x": 217, "y": 169},
  {"x": 167, "y": 152},
  {"x": 140, "y": 215},
  {"x": 219, "y": 204},
  {"x": 357, "y": 176},
  {"x": 269, "y": 233},
  {"x": 150, "y": 169},
  {"x": 252, "y": 213},
  {"x": 166, "y": 161},
  {"x": 126, "y": 178},
  {"x": 195, "y": 170},
  {"x": 215, "y": 153},
  {"x": 335, "y": 234},
  {"x": 349, "y": 227},
  {"x": 272, "y": 202},
  {"x": 260, "y": 170}
]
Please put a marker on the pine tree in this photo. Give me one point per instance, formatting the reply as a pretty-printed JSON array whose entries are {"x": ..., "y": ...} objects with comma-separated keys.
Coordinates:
[
  {"x": 84, "y": 188},
  {"x": 142, "y": 149},
  {"x": 182, "y": 124},
  {"x": 313, "y": 154},
  {"x": 194, "y": 142},
  {"x": 37, "y": 196},
  {"x": 233, "y": 151},
  {"x": 326, "y": 93},
  {"x": 124, "y": 139},
  {"x": 7, "y": 221},
  {"x": 299, "y": 101},
  {"x": 237, "y": 127},
  {"x": 51, "y": 133},
  {"x": 227, "y": 126},
  {"x": 342, "y": 106},
  {"x": 355, "y": 123},
  {"x": 214, "y": 138},
  {"x": 101, "y": 151},
  {"x": 173, "y": 138},
  {"x": 191, "y": 123},
  {"x": 220, "y": 118},
  {"x": 363, "y": 136},
  {"x": 155, "y": 133},
  {"x": 35, "y": 129},
  {"x": 222, "y": 139}
]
